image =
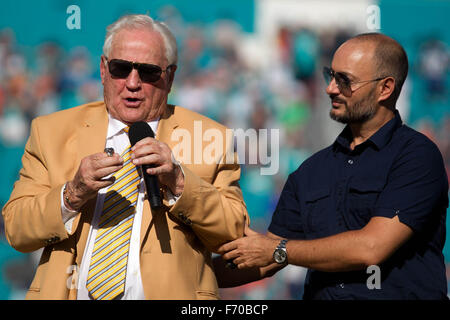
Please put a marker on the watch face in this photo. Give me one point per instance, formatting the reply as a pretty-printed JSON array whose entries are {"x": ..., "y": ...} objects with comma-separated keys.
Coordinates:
[{"x": 279, "y": 256}]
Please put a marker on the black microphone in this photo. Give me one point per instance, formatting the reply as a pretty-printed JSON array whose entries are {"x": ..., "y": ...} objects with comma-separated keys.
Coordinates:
[{"x": 138, "y": 131}]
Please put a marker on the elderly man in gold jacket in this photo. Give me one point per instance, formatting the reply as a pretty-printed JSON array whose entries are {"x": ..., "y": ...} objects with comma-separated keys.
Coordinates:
[{"x": 58, "y": 199}]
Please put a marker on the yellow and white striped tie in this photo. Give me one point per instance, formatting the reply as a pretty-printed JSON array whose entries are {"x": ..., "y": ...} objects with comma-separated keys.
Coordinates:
[{"x": 107, "y": 270}]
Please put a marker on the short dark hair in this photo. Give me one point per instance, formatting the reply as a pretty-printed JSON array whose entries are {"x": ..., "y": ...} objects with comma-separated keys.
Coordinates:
[{"x": 390, "y": 59}]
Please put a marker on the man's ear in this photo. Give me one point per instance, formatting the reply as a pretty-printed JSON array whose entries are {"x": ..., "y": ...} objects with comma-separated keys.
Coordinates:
[
  {"x": 103, "y": 70},
  {"x": 171, "y": 73},
  {"x": 387, "y": 89}
]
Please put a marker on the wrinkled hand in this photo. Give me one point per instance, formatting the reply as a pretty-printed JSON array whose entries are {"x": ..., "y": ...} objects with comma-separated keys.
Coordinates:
[
  {"x": 253, "y": 250},
  {"x": 150, "y": 151},
  {"x": 89, "y": 178}
]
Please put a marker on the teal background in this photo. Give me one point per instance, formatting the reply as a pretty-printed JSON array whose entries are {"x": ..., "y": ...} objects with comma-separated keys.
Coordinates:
[{"x": 37, "y": 22}]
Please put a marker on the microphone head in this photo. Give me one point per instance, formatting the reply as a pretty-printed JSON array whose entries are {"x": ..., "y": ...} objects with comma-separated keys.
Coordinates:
[{"x": 138, "y": 131}]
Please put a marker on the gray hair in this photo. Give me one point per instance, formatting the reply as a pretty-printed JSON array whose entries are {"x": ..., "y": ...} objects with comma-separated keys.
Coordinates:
[{"x": 141, "y": 21}]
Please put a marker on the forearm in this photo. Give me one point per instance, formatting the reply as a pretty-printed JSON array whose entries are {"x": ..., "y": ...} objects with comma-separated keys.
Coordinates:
[
  {"x": 347, "y": 251},
  {"x": 351, "y": 250}
]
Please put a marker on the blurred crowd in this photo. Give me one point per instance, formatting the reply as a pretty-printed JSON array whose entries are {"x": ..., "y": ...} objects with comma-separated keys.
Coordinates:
[{"x": 216, "y": 79}]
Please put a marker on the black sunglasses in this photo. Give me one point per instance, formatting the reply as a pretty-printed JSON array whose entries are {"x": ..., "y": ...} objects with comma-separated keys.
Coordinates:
[
  {"x": 147, "y": 72},
  {"x": 343, "y": 82}
]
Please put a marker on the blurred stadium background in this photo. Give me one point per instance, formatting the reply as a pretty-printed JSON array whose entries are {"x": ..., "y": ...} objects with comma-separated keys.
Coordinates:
[{"x": 245, "y": 63}]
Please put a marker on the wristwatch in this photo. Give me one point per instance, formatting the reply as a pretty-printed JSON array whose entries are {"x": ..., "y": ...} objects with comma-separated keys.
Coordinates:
[{"x": 280, "y": 253}]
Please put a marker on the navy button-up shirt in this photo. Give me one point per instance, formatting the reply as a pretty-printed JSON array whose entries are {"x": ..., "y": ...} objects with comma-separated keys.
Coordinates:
[{"x": 396, "y": 172}]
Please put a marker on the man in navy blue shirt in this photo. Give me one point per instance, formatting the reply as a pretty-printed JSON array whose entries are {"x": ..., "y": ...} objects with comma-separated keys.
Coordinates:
[{"x": 376, "y": 197}]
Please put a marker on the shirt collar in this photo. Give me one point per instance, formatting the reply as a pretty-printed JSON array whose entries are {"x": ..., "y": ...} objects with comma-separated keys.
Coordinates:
[
  {"x": 379, "y": 138},
  {"x": 385, "y": 133},
  {"x": 116, "y": 126}
]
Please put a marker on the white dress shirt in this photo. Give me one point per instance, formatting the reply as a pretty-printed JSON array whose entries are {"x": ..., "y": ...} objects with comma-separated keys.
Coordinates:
[{"x": 116, "y": 138}]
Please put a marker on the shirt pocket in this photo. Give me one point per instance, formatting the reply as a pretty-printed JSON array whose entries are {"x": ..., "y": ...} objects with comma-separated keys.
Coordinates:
[
  {"x": 362, "y": 198},
  {"x": 318, "y": 211}
]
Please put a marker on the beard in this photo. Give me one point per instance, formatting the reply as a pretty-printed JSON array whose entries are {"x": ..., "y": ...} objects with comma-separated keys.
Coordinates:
[{"x": 361, "y": 111}]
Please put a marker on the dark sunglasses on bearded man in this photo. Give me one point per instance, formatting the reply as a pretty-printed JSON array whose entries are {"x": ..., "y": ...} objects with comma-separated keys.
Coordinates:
[{"x": 343, "y": 82}]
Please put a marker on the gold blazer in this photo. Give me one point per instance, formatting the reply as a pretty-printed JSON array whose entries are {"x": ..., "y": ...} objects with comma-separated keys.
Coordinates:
[{"x": 176, "y": 241}]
